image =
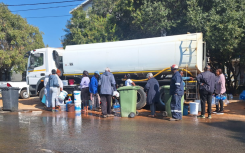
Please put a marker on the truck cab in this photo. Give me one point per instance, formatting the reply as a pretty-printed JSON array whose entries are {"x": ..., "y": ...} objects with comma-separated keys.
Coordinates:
[{"x": 40, "y": 63}]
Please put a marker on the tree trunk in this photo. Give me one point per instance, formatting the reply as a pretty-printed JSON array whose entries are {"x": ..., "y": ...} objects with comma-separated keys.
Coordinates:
[{"x": 1, "y": 74}]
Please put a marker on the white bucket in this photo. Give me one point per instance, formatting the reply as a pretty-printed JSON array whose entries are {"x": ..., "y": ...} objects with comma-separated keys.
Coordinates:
[
  {"x": 77, "y": 107},
  {"x": 199, "y": 102},
  {"x": 77, "y": 96},
  {"x": 65, "y": 82},
  {"x": 63, "y": 107},
  {"x": 194, "y": 108},
  {"x": 62, "y": 95}
]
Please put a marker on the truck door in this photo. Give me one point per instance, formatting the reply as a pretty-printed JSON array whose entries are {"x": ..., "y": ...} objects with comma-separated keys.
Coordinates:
[{"x": 37, "y": 68}]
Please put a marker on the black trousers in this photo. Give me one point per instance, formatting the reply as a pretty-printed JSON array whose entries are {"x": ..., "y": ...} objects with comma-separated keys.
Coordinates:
[
  {"x": 221, "y": 103},
  {"x": 205, "y": 96},
  {"x": 105, "y": 104}
]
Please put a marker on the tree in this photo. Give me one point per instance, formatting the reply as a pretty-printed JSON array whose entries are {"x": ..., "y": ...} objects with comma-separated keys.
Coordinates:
[
  {"x": 84, "y": 30},
  {"x": 222, "y": 23},
  {"x": 16, "y": 38},
  {"x": 149, "y": 18}
]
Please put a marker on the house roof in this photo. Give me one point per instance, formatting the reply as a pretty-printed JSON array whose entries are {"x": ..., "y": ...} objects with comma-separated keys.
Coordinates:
[{"x": 81, "y": 5}]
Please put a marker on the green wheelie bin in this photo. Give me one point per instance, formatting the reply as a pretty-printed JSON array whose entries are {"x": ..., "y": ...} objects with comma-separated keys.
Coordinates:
[
  {"x": 167, "y": 100},
  {"x": 128, "y": 100}
]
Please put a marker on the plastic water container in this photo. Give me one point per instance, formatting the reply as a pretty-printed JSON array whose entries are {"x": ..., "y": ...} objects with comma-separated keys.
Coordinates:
[
  {"x": 90, "y": 105},
  {"x": 242, "y": 95},
  {"x": 194, "y": 108},
  {"x": 65, "y": 82},
  {"x": 213, "y": 101},
  {"x": 199, "y": 107},
  {"x": 116, "y": 106},
  {"x": 77, "y": 96},
  {"x": 185, "y": 110},
  {"x": 229, "y": 97},
  {"x": 62, "y": 95},
  {"x": 63, "y": 107},
  {"x": 77, "y": 107}
]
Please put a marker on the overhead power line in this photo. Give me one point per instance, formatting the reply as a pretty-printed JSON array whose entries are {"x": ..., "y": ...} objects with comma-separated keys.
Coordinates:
[
  {"x": 44, "y": 8},
  {"x": 47, "y": 16},
  {"x": 45, "y": 3}
]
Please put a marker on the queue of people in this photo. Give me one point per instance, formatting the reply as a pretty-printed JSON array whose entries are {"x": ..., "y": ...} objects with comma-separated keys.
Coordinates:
[{"x": 209, "y": 86}]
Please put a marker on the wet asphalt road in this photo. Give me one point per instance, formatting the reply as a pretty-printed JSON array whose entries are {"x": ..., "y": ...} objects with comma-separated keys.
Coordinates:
[{"x": 65, "y": 132}]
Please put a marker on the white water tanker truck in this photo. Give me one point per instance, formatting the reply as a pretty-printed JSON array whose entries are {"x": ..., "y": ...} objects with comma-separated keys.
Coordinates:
[{"x": 137, "y": 57}]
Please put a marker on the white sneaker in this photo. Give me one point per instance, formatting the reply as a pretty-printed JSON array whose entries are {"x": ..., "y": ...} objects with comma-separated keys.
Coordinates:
[{"x": 220, "y": 112}]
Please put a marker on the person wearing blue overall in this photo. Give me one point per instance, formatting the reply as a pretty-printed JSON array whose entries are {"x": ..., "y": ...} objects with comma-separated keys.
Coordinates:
[{"x": 176, "y": 91}]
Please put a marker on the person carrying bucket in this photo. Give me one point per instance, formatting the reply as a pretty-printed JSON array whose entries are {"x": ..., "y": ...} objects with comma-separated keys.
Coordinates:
[
  {"x": 93, "y": 89},
  {"x": 176, "y": 91}
]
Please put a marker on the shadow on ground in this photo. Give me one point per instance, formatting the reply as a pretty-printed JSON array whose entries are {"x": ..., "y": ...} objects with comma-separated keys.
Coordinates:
[
  {"x": 236, "y": 127},
  {"x": 237, "y": 108}
]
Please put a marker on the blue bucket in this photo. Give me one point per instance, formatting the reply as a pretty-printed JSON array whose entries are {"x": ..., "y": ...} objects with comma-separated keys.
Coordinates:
[{"x": 185, "y": 110}]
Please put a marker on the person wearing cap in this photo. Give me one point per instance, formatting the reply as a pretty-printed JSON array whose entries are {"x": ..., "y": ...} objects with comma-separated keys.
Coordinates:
[
  {"x": 54, "y": 85},
  {"x": 206, "y": 81},
  {"x": 93, "y": 89},
  {"x": 128, "y": 81},
  {"x": 176, "y": 91},
  {"x": 107, "y": 85},
  {"x": 152, "y": 90},
  {"x": 84, "y": 85}
]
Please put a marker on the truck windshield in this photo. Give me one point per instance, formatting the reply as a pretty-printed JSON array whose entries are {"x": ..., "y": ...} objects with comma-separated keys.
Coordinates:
[{"x": 36, "y": 60}]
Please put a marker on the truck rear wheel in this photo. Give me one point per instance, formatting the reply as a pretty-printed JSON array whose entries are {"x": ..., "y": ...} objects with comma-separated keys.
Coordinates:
[
  {"x": 41, "y": 93},
  {"x": 141, "y": 98},
  {"x": 161, "y": 103},
  {"x": 24, "y": 94}
]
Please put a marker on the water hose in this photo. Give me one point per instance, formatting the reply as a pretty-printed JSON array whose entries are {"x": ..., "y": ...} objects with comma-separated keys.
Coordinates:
[{"x": 166, "y": 69}]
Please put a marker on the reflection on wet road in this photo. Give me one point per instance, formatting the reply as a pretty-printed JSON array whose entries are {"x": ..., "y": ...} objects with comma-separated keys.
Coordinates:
[{"x": 69, "y": 132}]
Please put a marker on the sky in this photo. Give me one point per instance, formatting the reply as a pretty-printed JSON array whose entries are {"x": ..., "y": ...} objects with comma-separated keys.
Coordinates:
[{"x": 52, "y": 27}]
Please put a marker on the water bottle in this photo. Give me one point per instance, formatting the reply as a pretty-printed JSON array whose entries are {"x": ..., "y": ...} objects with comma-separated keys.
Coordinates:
[
  {"x": 116, "y": 106},
  {"x": 69, "y": 99},
  {"x": 213, "y": 100},
  {"x": 231, "y": 97},
  {"x": 217, "y": 98},
  {"x": 90, "y": 105}
]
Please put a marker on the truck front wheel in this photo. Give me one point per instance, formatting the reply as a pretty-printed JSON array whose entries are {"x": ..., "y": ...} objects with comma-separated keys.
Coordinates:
[
  {"x": 24, "y": 94},
  {"x": 141, "y": 98}
]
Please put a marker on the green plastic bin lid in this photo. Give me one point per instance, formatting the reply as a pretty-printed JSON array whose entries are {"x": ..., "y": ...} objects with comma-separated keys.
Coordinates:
[
  {"x": 166, "y": 87},
  {"x": 128, "y": 88}
]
